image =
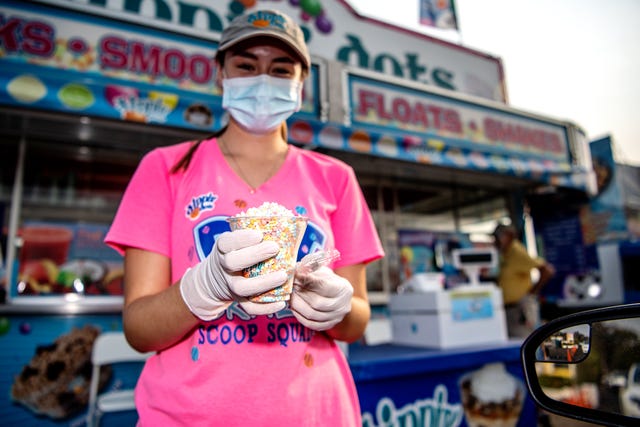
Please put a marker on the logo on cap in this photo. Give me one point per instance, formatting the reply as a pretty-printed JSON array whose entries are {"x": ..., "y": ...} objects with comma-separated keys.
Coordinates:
[{"x": 264, "y": 19}]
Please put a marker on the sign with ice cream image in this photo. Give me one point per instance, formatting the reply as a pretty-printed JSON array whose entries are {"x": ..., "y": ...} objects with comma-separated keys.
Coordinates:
[
  {"x": 488, "y": 396},
  {"x": 491, "y": 397}
]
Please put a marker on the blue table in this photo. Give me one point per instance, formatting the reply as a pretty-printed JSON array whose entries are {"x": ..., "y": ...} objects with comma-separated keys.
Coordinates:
[{"x": 410, "y": 386}]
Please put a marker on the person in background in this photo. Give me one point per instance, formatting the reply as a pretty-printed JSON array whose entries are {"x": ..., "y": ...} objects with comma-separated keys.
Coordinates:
[
  {"x": 520, "y": 295},
  {"x": 221, "y": 358}
]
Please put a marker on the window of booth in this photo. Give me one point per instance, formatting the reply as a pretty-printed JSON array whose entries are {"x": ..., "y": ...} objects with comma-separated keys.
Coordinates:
[
  {"x": 68, "y": 196},
  {"x": 70, "y": 192},
  {"x": 419, "y": 227},
  {"x": 63, "y": 176}
]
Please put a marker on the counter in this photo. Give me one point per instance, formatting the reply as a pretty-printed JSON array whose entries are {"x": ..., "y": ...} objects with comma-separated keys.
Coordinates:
[
  {"x": 411, "y": 386},
  {"x": 397, "y": 385}
]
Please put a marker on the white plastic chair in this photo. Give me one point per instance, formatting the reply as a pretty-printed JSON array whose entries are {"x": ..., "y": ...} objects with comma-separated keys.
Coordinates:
[{"x": 108, "y": 348}]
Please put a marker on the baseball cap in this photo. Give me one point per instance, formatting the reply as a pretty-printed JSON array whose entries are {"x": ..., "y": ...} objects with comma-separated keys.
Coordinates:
[{"x": 266, "y": 23}]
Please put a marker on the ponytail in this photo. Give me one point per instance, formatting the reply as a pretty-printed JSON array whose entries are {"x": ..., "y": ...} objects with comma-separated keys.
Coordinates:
[{"x": 185, "y": 160}]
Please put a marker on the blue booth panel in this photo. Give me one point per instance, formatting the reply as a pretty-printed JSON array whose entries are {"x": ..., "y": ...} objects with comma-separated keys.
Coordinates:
[{"x": 408, "y": 386}]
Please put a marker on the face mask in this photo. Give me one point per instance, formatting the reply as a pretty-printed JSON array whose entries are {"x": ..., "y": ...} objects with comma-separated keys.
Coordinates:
[{"x": 261, "y": 103}]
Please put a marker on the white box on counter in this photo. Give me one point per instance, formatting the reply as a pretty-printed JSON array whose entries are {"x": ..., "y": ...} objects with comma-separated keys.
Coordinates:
[{"x": 465, "y": 315}]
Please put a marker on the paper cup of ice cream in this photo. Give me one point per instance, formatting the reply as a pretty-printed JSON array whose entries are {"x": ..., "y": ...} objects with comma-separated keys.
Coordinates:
[
  {"x": 491, "y": 397},
  {"x": 282, "y": 226}
]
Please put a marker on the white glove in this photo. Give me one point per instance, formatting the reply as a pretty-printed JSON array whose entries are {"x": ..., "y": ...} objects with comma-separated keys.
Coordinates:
[
  {"x": 320, "y": 299},
  {"x": 209, "y": 287}
]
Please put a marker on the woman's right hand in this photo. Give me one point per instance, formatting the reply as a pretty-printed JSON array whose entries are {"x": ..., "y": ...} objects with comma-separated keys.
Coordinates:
[{"x": 209, "y": 287}]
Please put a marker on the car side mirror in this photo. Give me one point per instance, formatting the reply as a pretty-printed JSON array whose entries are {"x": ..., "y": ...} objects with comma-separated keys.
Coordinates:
[{"x": 586, "y": 365}]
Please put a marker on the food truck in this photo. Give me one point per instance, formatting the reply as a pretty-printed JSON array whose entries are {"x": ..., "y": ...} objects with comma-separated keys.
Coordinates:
[{"x": 88, "y": 87}]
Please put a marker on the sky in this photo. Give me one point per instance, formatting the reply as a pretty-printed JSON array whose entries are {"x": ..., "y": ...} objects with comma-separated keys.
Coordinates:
[{"x": 575, "y": 60}]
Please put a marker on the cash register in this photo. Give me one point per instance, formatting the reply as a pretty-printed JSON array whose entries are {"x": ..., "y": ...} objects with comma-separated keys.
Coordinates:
[{"x": 466, "y": 314}]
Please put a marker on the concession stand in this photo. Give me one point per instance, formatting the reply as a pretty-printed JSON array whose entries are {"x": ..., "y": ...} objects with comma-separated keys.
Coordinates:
[{"x": 88, "y": 87}]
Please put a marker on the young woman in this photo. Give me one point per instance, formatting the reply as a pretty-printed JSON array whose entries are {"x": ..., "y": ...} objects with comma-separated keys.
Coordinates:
[{"x": 222, "y": 359}]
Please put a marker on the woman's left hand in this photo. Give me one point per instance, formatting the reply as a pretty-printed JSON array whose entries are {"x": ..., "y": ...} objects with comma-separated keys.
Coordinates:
[{"x": 321, "y": 299}]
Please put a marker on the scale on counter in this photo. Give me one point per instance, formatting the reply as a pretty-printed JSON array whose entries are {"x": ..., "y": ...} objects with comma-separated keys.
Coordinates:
[{"x": 468, "y": 314}]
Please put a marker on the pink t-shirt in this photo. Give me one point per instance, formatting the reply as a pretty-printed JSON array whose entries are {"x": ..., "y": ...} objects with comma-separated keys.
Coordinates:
[{"x": 241, "y": 370}]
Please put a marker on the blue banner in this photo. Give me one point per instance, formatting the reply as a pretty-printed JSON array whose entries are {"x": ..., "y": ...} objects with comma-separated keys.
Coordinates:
[{"x": 605, "y": 219}]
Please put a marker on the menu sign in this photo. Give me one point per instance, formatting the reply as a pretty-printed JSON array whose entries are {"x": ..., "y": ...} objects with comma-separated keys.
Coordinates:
[
  {"x": 333, "y": 31},
  {"x": 456, "y": 122},
  {"x": 63, "y": 60}
]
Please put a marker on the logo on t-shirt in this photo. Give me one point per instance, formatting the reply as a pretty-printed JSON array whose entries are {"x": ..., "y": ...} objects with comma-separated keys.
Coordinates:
[
  {"x": 206, "y": 232},
  {"x": 200, "y": 204}
]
